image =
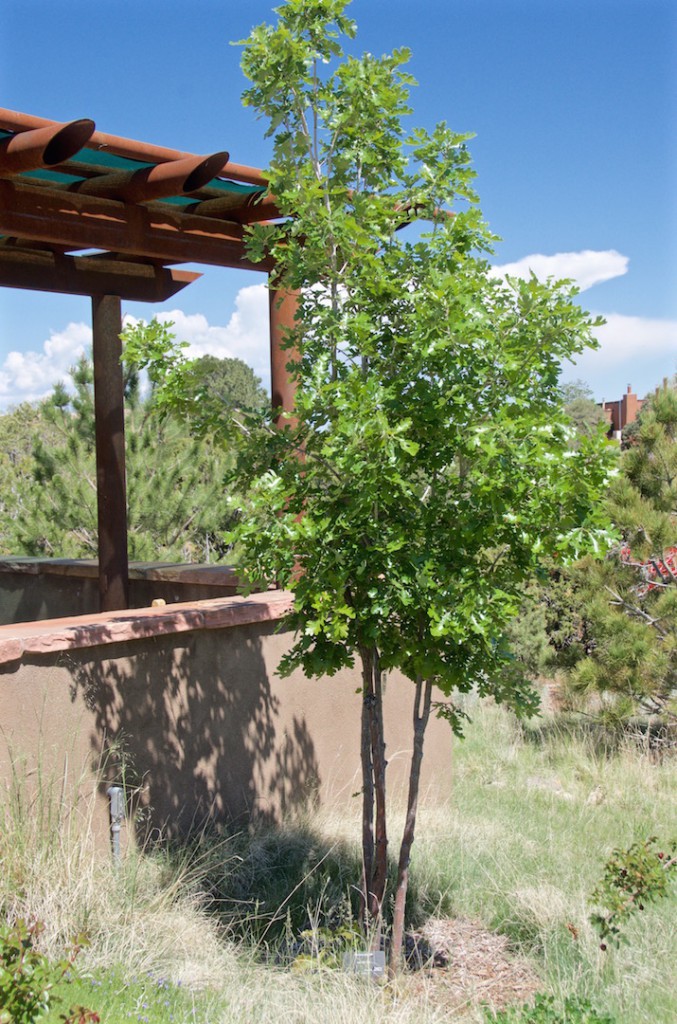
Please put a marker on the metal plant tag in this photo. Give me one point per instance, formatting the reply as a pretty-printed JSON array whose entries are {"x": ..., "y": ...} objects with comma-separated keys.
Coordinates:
[{"x": 367, "y": 964}]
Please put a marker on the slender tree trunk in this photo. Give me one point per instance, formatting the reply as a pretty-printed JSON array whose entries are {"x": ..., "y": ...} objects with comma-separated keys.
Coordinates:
[
  {"x": 367, "y": 791},
  {"x": 422, "y": 702},
  {"x": 378, "y": 754},
  {"x": 374, "y": 828}
]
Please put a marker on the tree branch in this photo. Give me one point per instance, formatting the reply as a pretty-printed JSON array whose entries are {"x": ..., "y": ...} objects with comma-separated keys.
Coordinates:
[{"x": 634, "y": 610}]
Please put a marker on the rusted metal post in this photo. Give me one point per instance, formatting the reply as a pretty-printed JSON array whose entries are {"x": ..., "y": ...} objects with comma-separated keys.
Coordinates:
[
  {"x": 110, "y": 453},
  {"x": 283, "y": 306}
]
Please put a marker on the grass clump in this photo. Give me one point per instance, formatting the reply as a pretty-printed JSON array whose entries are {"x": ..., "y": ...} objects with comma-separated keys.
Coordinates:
[{"x": 280, "y": 884}]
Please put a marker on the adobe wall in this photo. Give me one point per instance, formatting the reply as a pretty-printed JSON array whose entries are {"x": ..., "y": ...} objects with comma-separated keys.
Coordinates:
[
  {"x": 191, "y": 696},
  {"x": 45, "y": 588}
]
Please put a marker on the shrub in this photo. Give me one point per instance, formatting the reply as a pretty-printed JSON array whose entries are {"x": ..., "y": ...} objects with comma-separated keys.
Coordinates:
[
  {"x": 27, "y": 977},
  {"x": 633, "y": 877},
  {"x": 544, "y": 1011}
]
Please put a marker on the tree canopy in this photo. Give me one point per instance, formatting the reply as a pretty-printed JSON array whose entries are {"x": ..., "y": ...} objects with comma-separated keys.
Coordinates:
[
  {"x": 427, "y": 468},
  {"x": 581, "y": 408},
  {"x": 218, "y": 386}
]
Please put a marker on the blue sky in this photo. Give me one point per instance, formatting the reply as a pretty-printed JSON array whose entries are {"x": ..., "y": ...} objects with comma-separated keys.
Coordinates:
[{"x": 572, "y": 102}]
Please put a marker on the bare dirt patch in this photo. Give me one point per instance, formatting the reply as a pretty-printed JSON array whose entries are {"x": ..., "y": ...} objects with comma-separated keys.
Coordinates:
[{"x": 480, "y": 968}]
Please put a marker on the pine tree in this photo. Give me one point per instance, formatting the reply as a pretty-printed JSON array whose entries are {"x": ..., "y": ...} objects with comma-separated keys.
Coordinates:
[
  {"x": 625, "y": 649},
  {"x": 19, "y": 430},
  {"x": 177, "y": 501}
]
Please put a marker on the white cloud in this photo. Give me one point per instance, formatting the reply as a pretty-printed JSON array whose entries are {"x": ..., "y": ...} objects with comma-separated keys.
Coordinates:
[
  {"x": 586, "y": 268},
  {"x": 628, "y": 337},
  {"x": 633, "y": 350},
  {"x": 245, "y": 336},
  {"x": 29, "y": 376}
]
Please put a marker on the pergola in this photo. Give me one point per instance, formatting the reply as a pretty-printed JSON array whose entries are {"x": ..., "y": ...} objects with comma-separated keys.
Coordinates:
[{"x": 86, "y": 213}]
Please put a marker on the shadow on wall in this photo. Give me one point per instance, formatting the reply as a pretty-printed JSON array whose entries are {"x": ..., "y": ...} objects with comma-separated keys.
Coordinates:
[
  {"x": 29, "y": 597},
  {"x": 190, "y": 725}
]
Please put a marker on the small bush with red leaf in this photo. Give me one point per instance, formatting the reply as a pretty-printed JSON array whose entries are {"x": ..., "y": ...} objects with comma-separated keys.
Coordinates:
[{"x": 27, "y": 977}]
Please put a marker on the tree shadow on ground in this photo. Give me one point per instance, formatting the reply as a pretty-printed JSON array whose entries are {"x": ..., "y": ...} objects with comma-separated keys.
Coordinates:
[
  {"x": 190, "y": 726},
  {"x": 269, "y": 885}
]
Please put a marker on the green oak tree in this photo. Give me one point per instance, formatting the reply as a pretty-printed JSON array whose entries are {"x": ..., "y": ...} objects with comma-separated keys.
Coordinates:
[
  {"x": 427, "y": 467},
  {"x": 581, "y": 408}
]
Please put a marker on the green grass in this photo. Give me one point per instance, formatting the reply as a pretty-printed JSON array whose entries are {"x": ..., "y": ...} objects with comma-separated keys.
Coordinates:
[
  {"x": 533, "y": 814},
  {"x": 119, "y": 995}
]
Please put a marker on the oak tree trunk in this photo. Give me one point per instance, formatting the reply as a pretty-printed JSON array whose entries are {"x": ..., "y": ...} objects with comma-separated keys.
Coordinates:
[
  {"x": 374, "y": 829},
  {"x": 422, "y": 703}
]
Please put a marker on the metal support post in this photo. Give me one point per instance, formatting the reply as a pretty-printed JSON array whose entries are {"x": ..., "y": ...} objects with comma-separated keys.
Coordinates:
[{"x": 283, "y": 306}]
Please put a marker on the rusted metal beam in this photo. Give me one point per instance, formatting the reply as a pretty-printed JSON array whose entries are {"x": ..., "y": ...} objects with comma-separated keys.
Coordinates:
[
  {"x": 253, "y": 210},
  {"x": 149, "y": 232},
  {"x": 242, "y": 172},
  {"x": 81, "y": 275},
  {"x": 226, "y": 206},
  {"x": 14, "y": 121},
  {"x": 282, "y": 307},
  {"x": 177, "y": 177},
  {"x": 43, "y": 147},
  {"x": 28, "y": 245},
  {"x": 110, "y": 453}
]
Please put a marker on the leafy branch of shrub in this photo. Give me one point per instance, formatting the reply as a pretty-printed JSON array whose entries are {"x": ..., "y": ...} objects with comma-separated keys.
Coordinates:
[
  {"x": 544, "y": 1011},
  {"x": 27, "y": 977},
  {"x": 632, "y": 878}
]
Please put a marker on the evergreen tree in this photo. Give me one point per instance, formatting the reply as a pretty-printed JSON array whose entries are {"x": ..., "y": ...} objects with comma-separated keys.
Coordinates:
[
  {"x": 177, "y": 501},
  {"x": 19, "y": 430},
  {"x": 623, "y": 646}
]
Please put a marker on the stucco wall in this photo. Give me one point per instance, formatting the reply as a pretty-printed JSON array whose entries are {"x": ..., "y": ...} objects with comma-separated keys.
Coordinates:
[
  {"x": 198, "y": 721},
  {"x": 35, "y": 589}
]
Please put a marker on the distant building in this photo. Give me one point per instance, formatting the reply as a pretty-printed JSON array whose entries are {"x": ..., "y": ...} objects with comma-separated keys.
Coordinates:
[
  {"x": 626, "y": 410},
  {"x": 621, "y": 412}
]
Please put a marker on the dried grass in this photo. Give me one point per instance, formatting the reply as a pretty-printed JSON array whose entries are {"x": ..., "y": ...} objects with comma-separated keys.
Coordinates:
[{"x": 508, "y": 867}]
